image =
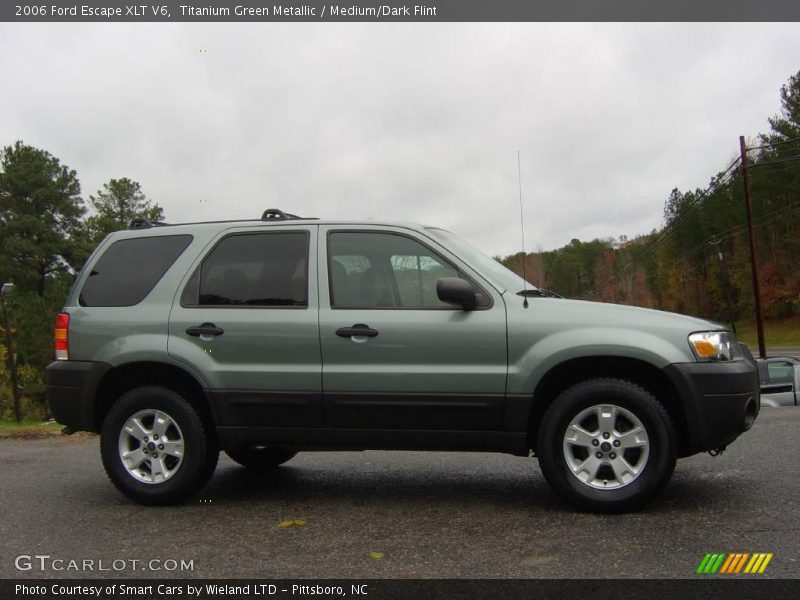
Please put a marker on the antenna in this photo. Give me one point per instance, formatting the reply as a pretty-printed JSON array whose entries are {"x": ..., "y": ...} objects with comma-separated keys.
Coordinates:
[{"x": 522, "y": 228}]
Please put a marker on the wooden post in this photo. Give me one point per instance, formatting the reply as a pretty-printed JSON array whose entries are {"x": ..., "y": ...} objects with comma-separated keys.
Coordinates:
[
  {"x": 12, "y": 364},
  {"x": 762, "y": 351}
]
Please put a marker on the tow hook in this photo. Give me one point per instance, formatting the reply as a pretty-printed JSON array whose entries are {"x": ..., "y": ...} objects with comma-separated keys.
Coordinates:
[{"x": 717, "y": 451}]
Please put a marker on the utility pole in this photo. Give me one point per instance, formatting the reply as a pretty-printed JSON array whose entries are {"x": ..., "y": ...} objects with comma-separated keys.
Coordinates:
[
  {"x": 762, "y": 351},
  {"x": 725, "y": 282},
  {"x": 12, "y": 363}
]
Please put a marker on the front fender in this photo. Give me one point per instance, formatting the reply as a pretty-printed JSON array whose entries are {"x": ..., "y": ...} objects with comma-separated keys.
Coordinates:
[{"x": 528, "y": 363}]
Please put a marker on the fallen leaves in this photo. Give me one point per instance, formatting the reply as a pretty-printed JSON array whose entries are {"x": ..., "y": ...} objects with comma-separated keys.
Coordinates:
[{"x": 292, "y": 523}]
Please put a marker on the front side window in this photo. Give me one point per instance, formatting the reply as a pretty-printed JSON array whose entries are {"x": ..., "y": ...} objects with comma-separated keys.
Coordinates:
[
  {"x": 129, "y": 269},
  {"x": 384, "y": 270},
  {"x": 258, "y": 269}
]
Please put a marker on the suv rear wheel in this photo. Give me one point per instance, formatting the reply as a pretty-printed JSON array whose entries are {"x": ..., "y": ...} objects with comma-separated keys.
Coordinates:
[
  {"x": 260, "y": 459},
  {"x": 607, "y": 445},
  {"x": 155, "y": 448}
]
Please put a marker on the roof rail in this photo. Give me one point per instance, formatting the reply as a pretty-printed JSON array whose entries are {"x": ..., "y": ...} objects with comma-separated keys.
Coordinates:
[
  {"x": 271, "y": 214},
  {"x": 276, "y": 214},
  {"x": 142, "y": 223}
]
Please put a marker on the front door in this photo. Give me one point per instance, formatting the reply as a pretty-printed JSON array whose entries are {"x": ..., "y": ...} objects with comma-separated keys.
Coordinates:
[
  {"x": 396, "y": 357},
  {"x": 247, "y": 320}
]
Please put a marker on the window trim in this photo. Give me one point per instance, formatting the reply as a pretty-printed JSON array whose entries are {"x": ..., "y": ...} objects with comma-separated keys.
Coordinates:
[
  {"x": 434, "y": 252},
  {"x": 210, "y": 251}
]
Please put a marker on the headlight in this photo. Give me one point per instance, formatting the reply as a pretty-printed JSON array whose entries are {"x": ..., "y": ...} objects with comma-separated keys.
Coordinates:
[{"x": 715, "y": 346}]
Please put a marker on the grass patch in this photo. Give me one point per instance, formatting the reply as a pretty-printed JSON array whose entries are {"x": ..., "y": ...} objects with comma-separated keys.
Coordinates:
[
  {"x": 28, "y": 429},
  {"x": 783, "y": 332}
]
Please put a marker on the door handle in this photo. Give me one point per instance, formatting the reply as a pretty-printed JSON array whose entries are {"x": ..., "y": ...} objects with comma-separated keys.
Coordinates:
[
  {"x": 357, "y": 330},
  {"x": 205, "y": 329}
]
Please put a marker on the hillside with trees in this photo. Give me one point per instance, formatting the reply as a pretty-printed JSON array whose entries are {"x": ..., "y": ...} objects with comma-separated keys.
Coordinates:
[{"x": 698, "y": 263}]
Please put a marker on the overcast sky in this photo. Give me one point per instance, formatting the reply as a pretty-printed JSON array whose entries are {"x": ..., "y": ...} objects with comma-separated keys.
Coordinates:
[{"x": 417, "y": 122}]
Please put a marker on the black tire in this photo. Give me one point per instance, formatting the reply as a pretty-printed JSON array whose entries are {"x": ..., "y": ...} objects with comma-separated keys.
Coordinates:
[
  {"x": 656, "y": 466},
  {"x": 260, "y": 459},
  {"x": 188, "y": 475}
]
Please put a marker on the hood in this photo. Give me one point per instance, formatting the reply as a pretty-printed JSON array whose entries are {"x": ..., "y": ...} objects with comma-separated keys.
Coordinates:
[{"x": 586, "y": 313}]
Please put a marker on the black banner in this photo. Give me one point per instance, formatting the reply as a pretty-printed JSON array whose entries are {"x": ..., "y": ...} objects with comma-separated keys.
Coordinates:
[
  {"x": 711, "y": 588},
  {"x": 398, "y": 10}
]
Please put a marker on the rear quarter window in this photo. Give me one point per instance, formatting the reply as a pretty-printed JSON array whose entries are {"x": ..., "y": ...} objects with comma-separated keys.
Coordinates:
[{"x": 129, "y": 270}]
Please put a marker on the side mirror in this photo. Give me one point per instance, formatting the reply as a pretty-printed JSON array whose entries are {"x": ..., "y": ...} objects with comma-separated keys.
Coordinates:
[{"x": 455, "y": 290}]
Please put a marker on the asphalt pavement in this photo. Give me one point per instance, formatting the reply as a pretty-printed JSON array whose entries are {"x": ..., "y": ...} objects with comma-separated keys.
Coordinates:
[{"x": 397, "y": 515}]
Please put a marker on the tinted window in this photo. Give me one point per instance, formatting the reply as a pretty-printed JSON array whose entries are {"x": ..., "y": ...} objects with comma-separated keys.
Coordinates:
[
  {"x": 780, "y": 372},
  {"x": 263, "y": 269},
  {"x": 129, "y": 269},
  {"x": 381, "y": 270}
]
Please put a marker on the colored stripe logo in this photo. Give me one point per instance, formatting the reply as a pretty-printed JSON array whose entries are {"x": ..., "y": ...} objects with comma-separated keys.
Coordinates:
[{"x": 734, "y": 563}]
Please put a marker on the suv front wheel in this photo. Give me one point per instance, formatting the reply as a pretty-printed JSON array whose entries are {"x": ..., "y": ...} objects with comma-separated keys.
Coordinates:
[
  {"x": 607, "y": 445},
  {"x": 155, "y": 448}
]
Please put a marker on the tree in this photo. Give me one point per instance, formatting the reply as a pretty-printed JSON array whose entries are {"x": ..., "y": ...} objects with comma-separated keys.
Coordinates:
[
  {"x": 786, "y": 126},
  {"x": 40, "y": 216},
  {"x": 120, "y": 201}
]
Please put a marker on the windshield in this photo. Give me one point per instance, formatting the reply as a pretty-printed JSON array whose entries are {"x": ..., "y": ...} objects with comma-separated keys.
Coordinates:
[{"x": 503, "y": 277}]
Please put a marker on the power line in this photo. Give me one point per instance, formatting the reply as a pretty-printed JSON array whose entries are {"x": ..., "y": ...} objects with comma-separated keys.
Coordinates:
[
  {"x": 670, "y": 230},
  {"x": 794, "y": 158},
  {"x": 772, "y": 145},
  {"x": 703, "y": 196},
  {"x": 774, "y": 169},
  {"x": 700, "y": 198},
  {"x": 787, "y": 147},
  {"x": 763, "y": 220}
]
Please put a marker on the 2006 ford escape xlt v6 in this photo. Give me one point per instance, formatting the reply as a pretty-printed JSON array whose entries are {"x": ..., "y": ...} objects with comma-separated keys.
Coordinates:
[{"x": 265, "y": 338}]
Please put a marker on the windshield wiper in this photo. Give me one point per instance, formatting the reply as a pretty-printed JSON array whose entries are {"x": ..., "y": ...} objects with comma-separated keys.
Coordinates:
[{"x": 538, "y": 293}]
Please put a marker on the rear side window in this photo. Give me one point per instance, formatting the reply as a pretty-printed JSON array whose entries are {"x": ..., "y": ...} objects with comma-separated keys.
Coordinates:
[
  {"x": 129, "y": 270},
  {"x": 252, "y": 270}
]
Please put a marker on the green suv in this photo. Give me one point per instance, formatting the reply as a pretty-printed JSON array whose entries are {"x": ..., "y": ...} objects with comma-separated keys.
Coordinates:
[{"x": 267, "y": 337}]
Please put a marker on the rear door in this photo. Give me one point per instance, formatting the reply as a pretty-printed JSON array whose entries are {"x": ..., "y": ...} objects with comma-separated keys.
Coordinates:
[
  {"x": 246, "y": 319},
  {"x": 427, "y": 365}
]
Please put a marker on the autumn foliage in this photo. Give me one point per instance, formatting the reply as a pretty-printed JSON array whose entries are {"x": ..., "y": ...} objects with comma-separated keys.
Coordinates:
[{"x": 698, "y": 262}]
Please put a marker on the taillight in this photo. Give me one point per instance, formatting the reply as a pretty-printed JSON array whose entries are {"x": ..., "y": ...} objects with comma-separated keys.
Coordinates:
[{"x": 62, "y": 336}]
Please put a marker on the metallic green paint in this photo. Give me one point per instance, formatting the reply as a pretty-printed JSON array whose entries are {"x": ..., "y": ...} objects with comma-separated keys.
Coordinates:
[{"x": 501, "y": 352}]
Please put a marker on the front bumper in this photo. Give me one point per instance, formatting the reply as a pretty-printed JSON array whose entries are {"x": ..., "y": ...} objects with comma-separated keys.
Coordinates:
[
  {"x": 720, "y": 401},
  {"x": 71, "y": 391}
]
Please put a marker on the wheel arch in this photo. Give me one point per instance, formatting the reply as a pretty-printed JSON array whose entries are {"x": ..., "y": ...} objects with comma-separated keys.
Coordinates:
[
  {"x": 570, "y": 372},
  {"x": 123, "y": 378}
]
